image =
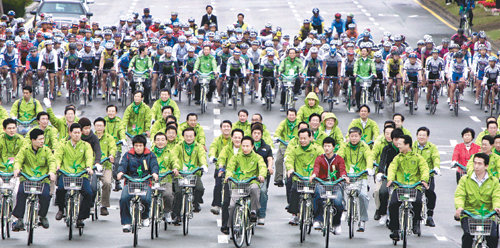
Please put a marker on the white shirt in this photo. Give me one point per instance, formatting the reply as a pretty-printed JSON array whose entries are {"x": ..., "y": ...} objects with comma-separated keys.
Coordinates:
[{"x": 474, "y": 177}]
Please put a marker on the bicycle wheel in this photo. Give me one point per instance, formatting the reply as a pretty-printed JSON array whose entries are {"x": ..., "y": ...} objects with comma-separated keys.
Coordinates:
[
  {"x": 249, "y": 229},
  {"x": 136, "y": 214},
  {"x": 348, "y": 100},
  {"x": 350, "y": 217},
  {"x": 411, "y": 95},
  {"x": 85, "y": 92},
  {"x": 235, "y": 97},
  {"x": 185, "y": 214},
  {"x": 203, "y": 100},
  {"x": 238, "y": 226},
  {"x": 376, "y": 99},
  {"x": 154, "y": 217},
  {"x": 330, "y": 97},
  {"x": 405, "y": 227},
  {"x": 31, "y": 219},
  {"x": 4, "y": 217},
  {"x": 455, "y": 101},
  {"x": 69, "y": 216},
  {"x": 327, "y": 223},
  {"x": 492, "y": 102},
  {"x": 302, "y": 220},
  {"x": 188, "y": 92},
  {"x": 434, "y": 98}
]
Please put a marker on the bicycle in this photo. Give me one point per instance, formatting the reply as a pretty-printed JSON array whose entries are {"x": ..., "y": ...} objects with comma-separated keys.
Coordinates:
[
  {"x": 23, "y": 127},
  {"x": 287, "y": 86},
  {"x": 157, "y": 207},
  {"x": 204, "y": 81},
  {"x": 327, "y": 191},
  {"x": 33, "y": 186},
  {"x": 306, "y": 191},
  {"x": 464, "y": 21},
  {"x": 137, "y": 187},
  {"x": 224, "y": 89},
  {"x": 7, "y": 87},
  {"x": 242, "y": 229},
  {"x": 187, "y": 184},
  {"x": 7, "y": 185},
  {"x": 393, "y": 92},
  {"x": 377, "y": 95},
  {"x": 73, "y": 86},
  {"x": 406, "y": 194},
  {"x": 85, "y": 88},
  {"x": 410, "y": 98},
  {"x": 139, "y": 79},
  {"x": 480, "y": 226},
  {"x": 434, "y": 96},
  {"x": 188, "y": 85},
  {"x": 98, "y": 197},
  {"x": 269, "y": 92},
  {"x": 365, "y": 83},
  {"x": 313, "y": 87},
  {"x": 353, "y": 190},
  {"x": 423, "y": 215},
  {"x": 235, "y": 93},
  {"x": 73, "y": 183},
  {"x": 348, "y": 93},
  {"x": 331, "y": 91}
]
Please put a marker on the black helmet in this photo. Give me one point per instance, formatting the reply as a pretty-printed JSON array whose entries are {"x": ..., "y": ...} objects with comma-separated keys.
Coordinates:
[
  {"x": 72, "y": 46},
  {"x": 458, "y": 55}
]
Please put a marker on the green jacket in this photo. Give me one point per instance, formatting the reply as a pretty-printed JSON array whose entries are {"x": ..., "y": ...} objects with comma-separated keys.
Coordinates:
[
  {"x": 480, "y": 136},
  {"x": 370, "y": 132},
  {"x": 358, "y": 159},
  {"x": 430, "y": 153},
  {"x": 305, "y": 111},
  {"x": 245, "y": 126},
  {"x": 378, "y": 147},
  {"x": 3, "y": 115},
  {"x": 200, "y": 133},
  {"x": 108, "y": 148},
  {"x": 474, "y": 198},
  {"x": 50, "y": 134},
  {"x": 493, "y": 167},
  {"x": 197, "y": 158},
  {"x": 408, "y": 168},
  {"x": 115, "y": 128},
  {"x": 244, "y": 166},
  {"x": 286, "y": 131},
  {"x": 218, "y": 145},
  {"x": 206, "y": 64},
  {"x": 141, "y": 64},
  {"x": 35, "y": 164},
  {"x": 159, "y": 126},
  {"x": 302, "y": 161},
  {"x": 9, "y": 147},
  {"x": 60, "y": 124},
  {"x": 226, "y": 154},
  {"x": 289, "y": 67},
  {"x": 166, "y": 161},
  {"x": 364, "y": 67},
  {"x": 319, "y": 136},
  {"x": 138, "y": 121},
  {"x": 74, "y": 159},
  {"x": 25, "y": 111},
  {"x": 159, "y": 104},
  {"x": 335, "y": 133},
  {"x": 171, "y": 145}
]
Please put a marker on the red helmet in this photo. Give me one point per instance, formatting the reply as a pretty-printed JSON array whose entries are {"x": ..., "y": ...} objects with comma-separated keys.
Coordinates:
[
  {"x": 464, "y": 47},
  {"x": 338, "y": 15}
]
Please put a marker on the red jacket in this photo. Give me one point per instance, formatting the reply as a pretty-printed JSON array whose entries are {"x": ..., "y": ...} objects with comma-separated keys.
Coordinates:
[
  {"x": 321, "y": 167},
  {"x": 462, "y": 156}
]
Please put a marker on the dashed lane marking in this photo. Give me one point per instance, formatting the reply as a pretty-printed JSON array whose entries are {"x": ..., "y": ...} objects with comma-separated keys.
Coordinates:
[
  {"x": 474, "y": 118},
  {"x": 465, "y": 109},
  {"x": 453, "y": 143},
  {"x": 435, "y": 15},
  {"x": 216, "y": 111},
  {"x": 440, "y": 238}
]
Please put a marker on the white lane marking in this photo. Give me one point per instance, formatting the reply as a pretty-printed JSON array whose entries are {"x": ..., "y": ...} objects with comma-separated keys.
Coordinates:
[
  {"x": 441, "y": 152},
  {"x": 371, "y": 19},
  {"x": 376, "y": 24},
  {"x": 440, "y": 238},
  {"x": 363, "y": 10},
  {"x": 232, "y": 9},
  {"x": 453, "y": 143},
  {"x": 446, "y": 167},
  {"x": 413, "y": 16},
  {"x": 368, "y": 14},
  {"x": 263, "y": 9},
  {"x": 206, "y": 127},
  {"x": 247, "y": 9},
  {"x": 360, "y": 6},
  {"x": 217, "y": 122},
  {"x": 465, "y": 109},
  {"x": 445, "y": 162},
  {"x": 292, "y": 7},
  {"x": 393, "y": 15},
  {"x": 219, "y": 222},
  {"x": 483, "y": 128},
  {"x": 98, "y": 4},
  {"x": 381, "y": 28},
  {"x": 355, "y": 2},
  {"x": 216, "y": 111},
  {"x": 474, "y": 118},
  {"x": 295, "y": 11},
  {"x": 217, "y": 133},
  {"x": 222, "y": 239}
]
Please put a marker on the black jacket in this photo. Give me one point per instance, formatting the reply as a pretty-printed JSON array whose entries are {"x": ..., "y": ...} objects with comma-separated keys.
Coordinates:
[
  {"x": 388, "y": 154},
  {"x": 206, "y": 20},
  {"x": 93, "y": 140},
  {"x": 131, "y": 161}
]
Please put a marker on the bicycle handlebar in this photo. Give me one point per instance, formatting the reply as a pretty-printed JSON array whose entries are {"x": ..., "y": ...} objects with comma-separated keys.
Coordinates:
[
  {"x": 25, "y": 122},
  {"x": 138, "y": 180},
  {"x": 241, "y": 181},
  {"x": 30, "y": 178},
  {"x": 79, "y": 174},
  {"x": 359, "y": 174},
  {"x": 407, "y": 186},
  {"x": 191, "y": 171},
  {"x": 322, "y": 182}
]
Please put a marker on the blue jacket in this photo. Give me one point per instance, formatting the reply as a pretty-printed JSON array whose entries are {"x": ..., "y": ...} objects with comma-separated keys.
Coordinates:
[
  {"x": 130, "y": 162},
  {"x": 338, "y": 26}
]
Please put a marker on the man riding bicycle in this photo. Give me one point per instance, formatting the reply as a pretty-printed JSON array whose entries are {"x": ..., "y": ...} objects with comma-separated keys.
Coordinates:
[
  {"x": 434, "y": 70},
  {"x": 412, "y": 70},
  {"x": 457, "y": 74},
  {"x": 363, "y": 67},
  {"x": 9, "y": 59},
  {"x": 491, "y": 79}
]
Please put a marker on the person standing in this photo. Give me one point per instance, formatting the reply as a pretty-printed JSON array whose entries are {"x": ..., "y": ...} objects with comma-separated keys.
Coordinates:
[{"x": 209, "y": 18}]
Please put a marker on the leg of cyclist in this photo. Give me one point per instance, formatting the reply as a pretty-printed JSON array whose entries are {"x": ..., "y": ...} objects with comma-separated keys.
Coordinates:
[
  {"x": 338, "y": 203},
  {"x": 492, "y": 240},
  {"x": 225, "y": 208},
  {"x": 417, "y": 211},
  {"x": 363, "y": 205},
  {"x": 168, "y": 200},
  {"x": 211, "y": 88},
  {"x": 467, "y": 239},
  {"x": 176, "y": 212},
  {"x": 60, "y": 198},
  {"x": 104, "y": 75},
  {"x": 217, "y": 193},
  {"x": 59, "y": 81},
  {"x": 318, "y": 207},
  {"x": 13, "y": 75},
  {"x": 126, "y": 218},
  {"x": 146, "y": 201},
  {"x": 113, "y": 80},
  {"x": 230, "y": 85},
  {"x": 86, "y": 202},
  {"x": 451, "y": 93},
  {"x": 29, "y": 77},
  {"x": 431, "y": 202},
  {"x": 106, "y": 190},
  {"x": 254, "y": 201},
  {"x": 383, "y": 196},
  {"x": 154, "y": 78},
  {"x": 394, "y": 215},
  {"x": 199, "y": 190},
  {"x": 294, "y": 207},
  {"x": 399, "y": 85},
  {"x": 477, "y": 83},
  {"x": 357, "y": 92},
  {"x": 263, "y": 199}
]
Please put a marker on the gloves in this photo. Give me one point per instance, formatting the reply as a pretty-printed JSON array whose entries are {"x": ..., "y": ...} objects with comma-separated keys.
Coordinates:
[
  {"x": 98, "y": 167},
  {"x": 47, "y": 103},
  {"x": 205, "y": 169},
  {"x": 185, "y": 168},
  {"x": 378, "y": 177},
  {"x": 351, "y": 170},
  {"x": 211, "y": 160},
  {"x": 370, "y": 172},
  {"x": 438, "y": 171}
]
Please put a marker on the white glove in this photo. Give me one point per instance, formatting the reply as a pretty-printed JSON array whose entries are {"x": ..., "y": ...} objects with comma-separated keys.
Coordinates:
[
  {"x": 47, "y": 103},
  {"x": 378, "y": 177},
  {"x": 98, "y": 167},
  {"x": 205, "y": 169},
  {"x": 351, "y": 170},
  {"x": 453, "y": 163},
  {"x": 185, "y": 168},
  {"x": 211, "y": 160},
  {"x": 438, "y": 171},
  {"x": 370, "y": 172}
]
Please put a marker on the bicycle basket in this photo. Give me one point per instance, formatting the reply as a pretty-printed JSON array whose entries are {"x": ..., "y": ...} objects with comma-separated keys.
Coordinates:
[
  {"x": 33, "y": 187},
  {"x": 72, "y": 183},
  {"x": 406, "y": 194},
  {"x": 305, "y": 187},
  {"x": 328, "y": 191},
  {"x": 354, "y": 184},
  {"x": 188, "y": 181},
  {"x": 161, "y": 186},
  {"x": 239, "y": 189},
  {"x": 7, "y": 183},
  {"x": 138, "y": 188},
  {"x": 480, "y": 226}
]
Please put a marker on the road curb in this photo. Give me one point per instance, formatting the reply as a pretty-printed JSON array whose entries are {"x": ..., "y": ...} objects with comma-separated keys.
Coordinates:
[{"x": 453, "y": 19}]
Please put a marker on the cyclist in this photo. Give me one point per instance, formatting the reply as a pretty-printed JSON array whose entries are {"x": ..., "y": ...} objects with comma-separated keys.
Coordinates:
[
  {"x": 491, "y": 130},
  {"x": 9, "y": 59},
  {"x": 291, "y": 65},
  {"x": 286, "y": 130},
  {"x": 434, "y": 70},
  {"x": 300, "y": 159},
  {"x": 312, "y": 68},
  {"x": 141, "y": 63},
  {"x": 26, "y": 108},
  {"x": 188, "y": 66},
  {"x": 32, "y": 65},
  {"x": 108, "y": 148},
  {"x": 75, "y": 155},
  {"x": 10, "y": 142},
  {"x": 114, "y": 128},
  {"x": 266, "y": 136},
  {"x": 463, "y": 151},
  {"x": 395, "y": 69},
  {"x": 137, "y": 117},
  {"x": 338, "y": 24},
  {"x": 491, "y": 79},
  {"x": 408, "y": 167},
  {"x": 487, "y": 148},
  {"x": 216, "y": 148},
  {"x": 243, "y": 122},
  {"x": 35, "y": 160},
  {"x": 358, "y": 157},
  {"x": 167, "y": 64},
  {"x": 381, "y": 70},
  {"x": 138, "y": 162},
  {"x": 431, "y": 155},
  {"x": 332, "y": 66},
  {"x": 235, "y": 68},
  {"x": 331, "y": 128},
  {"x": 71, "y": 61},
  {"x": 368, "y": 126},
  {"x": 107, "y": 65},
  {"x": 206, "y": 63},
  {"x": 478, "y": 190},
  {"x": 457, "y": 74},
  {"x": 363, "y": 67},
  {"x": 165, "y": 100},
  {"x": 268, "y": 68},
  {"x": 329, "y": 167},
  {"x": 61, "y": 124},
  {"x": 192, "y": 122},
  {"x": 87, "y": 59},
  {"x": 399, "y": 119},
  {"x": 317, "y": 21},
  {"x": 123, "y": 64},
  {"x": 225, "y": 156},
  {"x": 459, "y": 37},
  {"x": 222, "y": 57},
  {"x": 311, "y": 105},
  {"x": 50, "y": 132},
  {"x": 412, "y": 70}
]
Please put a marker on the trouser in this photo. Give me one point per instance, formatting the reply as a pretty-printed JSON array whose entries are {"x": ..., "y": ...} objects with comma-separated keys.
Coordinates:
[
  {"x": 168, "y": 197},
  {"x": 85, "y": 201},
  {"x": 381, "y": 196},
  {"x": 254, "y": 200},
  {"x": 211, "y": 88},
  {"x": 278, "y": 166},
  {"x": 431, "y": 197},
  {"x": 225, "y": 204},
  {"x": 264, "y": 197},
  {"x": 467, "y": 239},
  {"x": 217, "y": 195},
  {"x": 105, "y": 187},
  {"x": 116, "y": 165},
  {"x": 293, "y": 202},
  {"x": 198, "y": 192},
  {"x": 265, "y": 82},
  {"x": 471, "y": 16},
  {"x": 234, "y": 73},
  {"x": 43, "y": 199},
  {"x": 358, "y": 94},
  {"x": 318, "y": 28},
  {"x": 288, "y": 186},
  {"x": 363, "y": 200},
  {"x": 147, "y": 89},
  {"x": 125, "y": 216},
  {"x": 319, "y": 202},
  {"x": 394, "y": 210},
  {"x": 296, "y": 90}
]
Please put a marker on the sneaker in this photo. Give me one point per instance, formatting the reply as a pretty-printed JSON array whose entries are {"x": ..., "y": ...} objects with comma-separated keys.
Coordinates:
[
  {"x": 176, "y": 92},
  {"x": 394, "y": 235},
  {"x": 461, "y": 97},
  {"x": 317, "y": 225},
  {"x": 451, "y": 107},
  {"x": 230, "y": 102},
  {"x": 416, "y": 107},
  {"x": 337, "y": 230},
  {"x": 44, "y": 222},
  {"x": 80, "y": 224},
  {"x": 279, "y": 184},
  {"x": 59, "y": 93},
  {"x": 126, "y": 228},
  {"x": 430, "y": 222},
  {"x": 253, "y": 216},
  {"x": 215, "y": 210},
  {"x": 168, "y": 217},
  {"x": 260, "y": 221},
  {"x": 177, "y": 221},
  {"x": 196, "y": 209},
  {"x": 145, "y": 222},
  {"x": 476, "y": 102},
  {"x": 263, "y": 101},
  {"x": 118, "y": 186},
  {"x": 361, "y": 226},
  {"x": 225, "y": 230},
  {"x": 486, "y": 109},
  {"x": 416, "y": 228},
  {"x": 18, "y": 226},
  {"x": 427, "y": 106},
  {"x": 197, "y": 102},
  {"x": 376, "y": 216},
  {"x": 448, "y": 100},
  {"x": 383, "y": 219},
  {"x": 59, "y": 215},
  {"x": 294, "y": 220},
  {"x": 67, "y": 95},
  {"x": 104, "y": 211},
  {"x": 218, "y": 99}
]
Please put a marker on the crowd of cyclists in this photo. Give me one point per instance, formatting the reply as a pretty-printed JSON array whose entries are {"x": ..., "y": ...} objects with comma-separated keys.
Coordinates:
[{"x": 330, "y": 64}]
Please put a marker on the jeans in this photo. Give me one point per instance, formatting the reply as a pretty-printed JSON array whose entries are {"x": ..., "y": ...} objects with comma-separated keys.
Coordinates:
[
  {"x": 467, "y": 239},
  {"x": 198, "y": 192},
  {"x": 264, "y": 197},
  {"x": 43, "y": 199},
  {"x": 278, "y": 166},
  {"x": 85, "y": 201},
  {"x": 394, "y": 210},
  {"x": 319, "y": 202},
  {"x": 125, "y": 216},
  {"x": 105, "y": 187},
  {"x": 381, "y": 195}
]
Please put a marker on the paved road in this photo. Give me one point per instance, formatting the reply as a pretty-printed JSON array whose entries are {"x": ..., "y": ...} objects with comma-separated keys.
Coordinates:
[{"x": 396, "y": 16}]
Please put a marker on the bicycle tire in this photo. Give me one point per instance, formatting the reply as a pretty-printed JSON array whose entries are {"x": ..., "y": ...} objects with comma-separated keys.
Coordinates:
[
  {"x": 492, "y": 102},
  {"x": 136, "y": 222},
  {"x": 159, "y": 210},
  {"x": 188, "y": 93},
  {"x": 350, "y": 217},
  {"x": 302, "y": 221},
  {"x": 31, "y": 219},
  {"x": 330, "y": 97},
  {"x": 203, "y": 100},
  {"x": 405, "y": 228},
  {"x": 153, "y": 218},
  {"x": 237, "y": 226},
  {"x": 185, "y": 215},
  {"x": 70, "y": 218},
  {"x": 4, "y": 217},
  {"x": 481, "y": 98},
  {"x": 411, "y": 97},
  {"x": 249, "y": 229},
  {"x": 434, "y": 98},
  {"x": 457, "y": 98},
  {"x": 85, "y": 92},
  {"x": 376, "y": 99},
  {"x": 327, "y": 223}
]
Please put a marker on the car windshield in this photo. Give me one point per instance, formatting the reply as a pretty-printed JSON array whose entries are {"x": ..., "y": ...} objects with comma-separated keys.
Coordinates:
[{"x": 62, "y": 8}]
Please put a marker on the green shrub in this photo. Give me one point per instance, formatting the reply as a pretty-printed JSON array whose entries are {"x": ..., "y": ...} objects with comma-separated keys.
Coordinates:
[{"x": 17, "y": 5}]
